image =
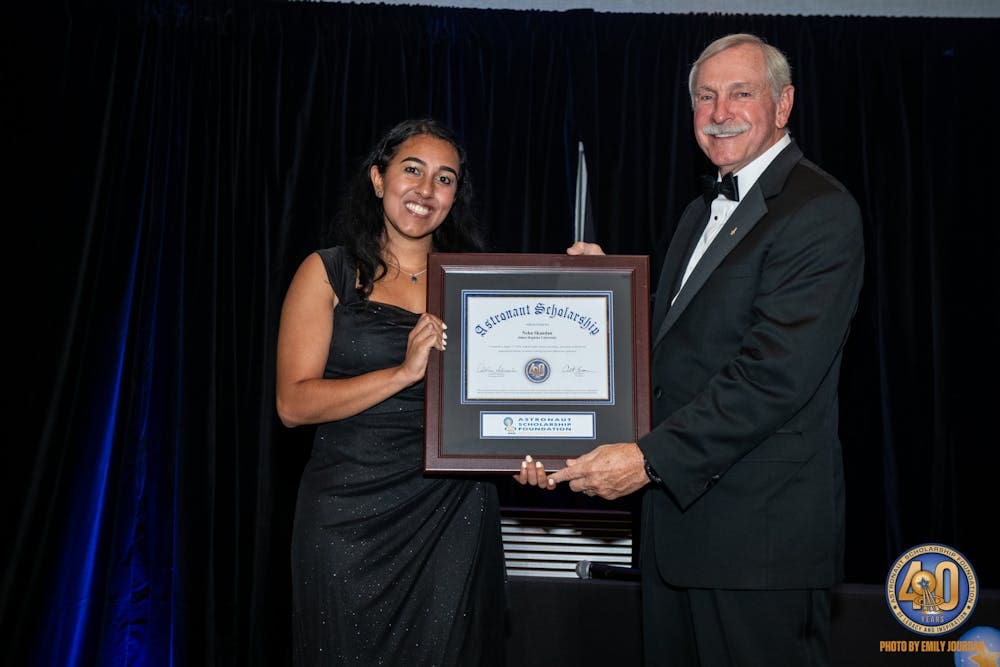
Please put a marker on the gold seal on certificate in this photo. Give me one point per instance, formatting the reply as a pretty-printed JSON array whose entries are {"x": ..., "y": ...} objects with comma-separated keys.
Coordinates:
[{"x": 552, "y": 358}]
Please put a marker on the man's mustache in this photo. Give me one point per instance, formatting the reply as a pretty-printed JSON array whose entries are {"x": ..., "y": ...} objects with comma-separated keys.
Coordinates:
[{"x": 714, "y": 129}]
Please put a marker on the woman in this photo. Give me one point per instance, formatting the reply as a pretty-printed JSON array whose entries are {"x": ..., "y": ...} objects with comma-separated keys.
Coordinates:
[{"x": 389, "y": 566}]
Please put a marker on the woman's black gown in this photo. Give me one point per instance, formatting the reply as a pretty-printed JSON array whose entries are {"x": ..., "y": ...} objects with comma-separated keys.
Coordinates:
[{"x": 389, "y": 567}]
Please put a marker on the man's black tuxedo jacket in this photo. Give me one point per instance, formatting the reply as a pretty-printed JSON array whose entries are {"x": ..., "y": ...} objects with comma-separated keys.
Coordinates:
[{"x": 744, "y": 373}]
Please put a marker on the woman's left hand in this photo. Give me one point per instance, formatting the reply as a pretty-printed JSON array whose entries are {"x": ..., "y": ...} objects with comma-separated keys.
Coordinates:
[{"x": 533, "y": 474}]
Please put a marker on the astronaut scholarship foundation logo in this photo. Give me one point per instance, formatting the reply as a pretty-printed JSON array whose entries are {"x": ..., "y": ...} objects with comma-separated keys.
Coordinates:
[{"x": 931, "y": 590}]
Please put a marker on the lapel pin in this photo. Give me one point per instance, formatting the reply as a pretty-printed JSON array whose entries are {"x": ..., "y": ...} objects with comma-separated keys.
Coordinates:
[{"x": 733, "y": 231}]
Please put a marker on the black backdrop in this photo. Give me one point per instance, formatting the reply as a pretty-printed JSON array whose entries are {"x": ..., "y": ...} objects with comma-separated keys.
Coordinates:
[{"x": 170, "y": 164}]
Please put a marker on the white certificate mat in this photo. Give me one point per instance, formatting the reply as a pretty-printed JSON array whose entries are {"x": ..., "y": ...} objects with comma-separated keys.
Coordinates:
[{"x": 537, "y": 346}]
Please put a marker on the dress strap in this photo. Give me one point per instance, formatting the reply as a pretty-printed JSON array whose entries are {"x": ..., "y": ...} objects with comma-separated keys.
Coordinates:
[{"x": 341, "y": 272}]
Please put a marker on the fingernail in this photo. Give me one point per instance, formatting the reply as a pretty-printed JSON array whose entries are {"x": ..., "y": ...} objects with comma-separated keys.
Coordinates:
[
  {"x": 444, "y": 335},
  {"x": 528, "y": 458},
  {"x": 552, "y": 482},
  {"x": 524, "y": 464},
  {"x": 538, "y": 464},
  {"x": 444, "y": 326}
]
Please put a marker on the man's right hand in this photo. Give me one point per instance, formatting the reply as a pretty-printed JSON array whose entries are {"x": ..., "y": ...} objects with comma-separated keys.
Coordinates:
[{"x": 583, "y": 248}]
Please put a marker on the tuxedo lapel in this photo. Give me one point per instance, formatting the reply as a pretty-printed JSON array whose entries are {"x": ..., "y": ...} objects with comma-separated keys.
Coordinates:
[
  {"x": 743, "y": 219},
  {"x": 689, "y": 228},
  {"x": 752, "y": 208}
]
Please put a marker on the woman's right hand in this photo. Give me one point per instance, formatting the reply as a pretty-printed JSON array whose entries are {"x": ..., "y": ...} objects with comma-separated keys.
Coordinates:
[
  {"x": 427, "y": 334},
  {"x": 584, "y": 248}
]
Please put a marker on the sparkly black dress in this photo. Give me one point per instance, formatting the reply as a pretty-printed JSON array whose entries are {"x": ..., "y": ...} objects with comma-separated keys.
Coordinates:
[{"x": 389, "y": 567}]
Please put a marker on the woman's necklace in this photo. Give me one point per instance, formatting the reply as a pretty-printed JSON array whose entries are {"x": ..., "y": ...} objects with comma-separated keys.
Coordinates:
[{"x": 413, "y": 276}]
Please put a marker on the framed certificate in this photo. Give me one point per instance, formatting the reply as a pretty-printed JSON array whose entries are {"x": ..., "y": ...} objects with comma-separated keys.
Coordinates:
[{"x": 548, "y": 355}]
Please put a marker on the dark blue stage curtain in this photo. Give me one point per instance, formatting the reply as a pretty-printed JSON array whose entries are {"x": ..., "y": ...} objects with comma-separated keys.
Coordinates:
[{"x": 171, "y": 163}]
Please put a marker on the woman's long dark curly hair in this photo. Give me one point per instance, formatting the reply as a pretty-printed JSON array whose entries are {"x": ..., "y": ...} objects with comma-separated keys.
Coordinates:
[{"x": 360, "y": 224}]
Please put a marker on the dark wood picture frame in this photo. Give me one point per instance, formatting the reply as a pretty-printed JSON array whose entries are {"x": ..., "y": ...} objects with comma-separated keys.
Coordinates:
[{"x": 454, "y": 425}]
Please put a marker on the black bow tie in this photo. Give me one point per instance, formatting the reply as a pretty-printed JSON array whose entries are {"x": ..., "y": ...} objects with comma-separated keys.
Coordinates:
[{"x": 726, "y": 187}]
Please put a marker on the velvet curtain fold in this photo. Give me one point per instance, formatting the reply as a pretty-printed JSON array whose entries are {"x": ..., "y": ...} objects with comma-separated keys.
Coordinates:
[{"x": 174, "y": 162}]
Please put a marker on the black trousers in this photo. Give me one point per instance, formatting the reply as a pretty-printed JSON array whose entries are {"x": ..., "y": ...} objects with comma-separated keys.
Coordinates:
[{"x": 697, "y": 627}]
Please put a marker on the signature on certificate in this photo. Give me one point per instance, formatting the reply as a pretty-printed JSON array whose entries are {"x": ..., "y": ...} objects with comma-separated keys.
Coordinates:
[
  {"x": 578, "y": 371},
  {"x": 494, "y": 371}
]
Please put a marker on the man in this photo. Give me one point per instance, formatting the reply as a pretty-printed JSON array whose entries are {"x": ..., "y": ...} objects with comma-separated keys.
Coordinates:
[{"x": 743, "y": 513}]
